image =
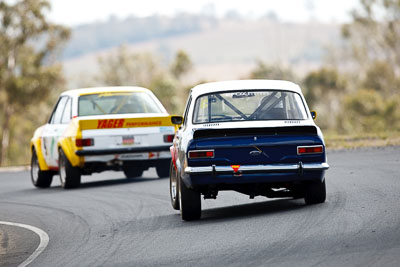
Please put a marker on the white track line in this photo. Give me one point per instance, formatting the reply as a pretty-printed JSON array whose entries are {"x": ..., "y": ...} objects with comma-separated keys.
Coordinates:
[{"x": 44, "y": 240}]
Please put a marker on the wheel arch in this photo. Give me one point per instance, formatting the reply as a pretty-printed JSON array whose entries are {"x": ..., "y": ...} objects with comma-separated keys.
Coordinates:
[
  {"x": 36, "y": 147},
  {"x": 68, "y": 147}
]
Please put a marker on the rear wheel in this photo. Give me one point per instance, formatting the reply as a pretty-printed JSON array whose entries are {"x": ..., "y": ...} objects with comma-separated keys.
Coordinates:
[
  {"x": 132, "y": 171},
  {"x": 315, "y": 193},
  {"x": 173, "y": 187},
  {"x": 41, "y": 179},
  {"x": 189, "y": 203},
  {"x": 70, "y": 176},
  {"x": 163, "y": 169}
]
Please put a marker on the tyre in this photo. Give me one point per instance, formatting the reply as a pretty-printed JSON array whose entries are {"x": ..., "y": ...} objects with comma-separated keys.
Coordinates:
[
  {"x": 189, "y": 203},
  {"x": 315, "y": 193},
  {"x": 163, "y": 169},
  {"x": 70, "y": 176},
  {"x": 173, "y": 187},
  {"x": 41, "y": 179},
  {"x": 132, "y": 172}
]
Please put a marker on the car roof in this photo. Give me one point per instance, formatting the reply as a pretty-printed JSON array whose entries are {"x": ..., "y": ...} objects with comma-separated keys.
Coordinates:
[
  {"x": 95, "y": 90},
  {"x": 245, "y": 84}
]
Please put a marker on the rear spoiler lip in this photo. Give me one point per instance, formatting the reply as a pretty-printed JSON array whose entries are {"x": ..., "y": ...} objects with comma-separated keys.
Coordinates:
[
  {"x": 277, "y": 143},
  {"x": 254, "y": 131},
  {"x": 125, "y": 150}
]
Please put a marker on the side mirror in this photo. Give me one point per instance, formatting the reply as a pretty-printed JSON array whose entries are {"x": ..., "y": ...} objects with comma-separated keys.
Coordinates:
[
  {"x": 313, "y": 114},
  {"x": 176, "y": 120}
]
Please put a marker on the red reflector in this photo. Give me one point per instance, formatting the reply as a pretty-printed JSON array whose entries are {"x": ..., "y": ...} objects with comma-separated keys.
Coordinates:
[
  {"x": 168, "y": 138},
  {"x": 84, "y": 142},
  {"x": 309, "y": 149},
  {"x": 201, "y": 154}
]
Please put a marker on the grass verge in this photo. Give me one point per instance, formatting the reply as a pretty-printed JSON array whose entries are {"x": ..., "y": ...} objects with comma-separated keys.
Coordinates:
[{"x": 336, "y": 141}]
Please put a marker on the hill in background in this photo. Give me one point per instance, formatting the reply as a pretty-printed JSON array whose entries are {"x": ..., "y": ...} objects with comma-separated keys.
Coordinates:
[{"x": 220, "y": 49}]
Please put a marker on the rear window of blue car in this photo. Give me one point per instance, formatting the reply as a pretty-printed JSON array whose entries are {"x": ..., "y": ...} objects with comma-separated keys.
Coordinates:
[
  {"x": 116, "y": 103},
  {"x": 249, "y": 105}
]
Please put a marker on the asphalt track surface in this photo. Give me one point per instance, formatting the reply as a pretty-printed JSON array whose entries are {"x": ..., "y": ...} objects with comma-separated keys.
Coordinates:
[{"x": 113, "y": 221}]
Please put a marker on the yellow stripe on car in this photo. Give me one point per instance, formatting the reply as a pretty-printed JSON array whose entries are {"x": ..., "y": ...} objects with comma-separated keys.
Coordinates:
[{"x": 125, "y": 123}]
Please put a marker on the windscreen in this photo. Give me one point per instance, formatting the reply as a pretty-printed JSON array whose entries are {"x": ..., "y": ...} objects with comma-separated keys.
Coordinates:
[
  {"x": 249, "y": 105},
  {"x": 117, "y": 103}
]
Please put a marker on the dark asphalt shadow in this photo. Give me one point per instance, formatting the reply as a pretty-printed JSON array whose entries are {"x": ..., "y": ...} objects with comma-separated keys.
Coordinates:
[
  {"x": 252, "y": 209},
  {"x": 224, "y": 214}
]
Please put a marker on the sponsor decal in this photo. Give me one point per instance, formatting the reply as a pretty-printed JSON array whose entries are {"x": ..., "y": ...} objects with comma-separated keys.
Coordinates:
[
  {"x": 131, "y": 156},
  {"x": 111, "y": 123},
  {"x": 166, "y": 129},
  {"x": 53, "y": 142},
  {"x": 210, "y": 124},
  {"x": 126, "y": 123},
  {"x": 143, "y": 123}
]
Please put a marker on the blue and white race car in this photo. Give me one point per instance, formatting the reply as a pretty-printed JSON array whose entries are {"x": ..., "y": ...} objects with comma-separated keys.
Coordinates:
[{"x": 256, "y": 137}]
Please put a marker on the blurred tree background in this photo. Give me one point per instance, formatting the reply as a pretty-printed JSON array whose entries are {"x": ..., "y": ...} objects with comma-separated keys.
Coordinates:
[
  {"x": 362, "y": 94},
  {"x": 372, "y": 102},
  {"x": 125, "y": 68},
  {"x": 356, "y": 93},
  {"x": 28, "y": 44}
]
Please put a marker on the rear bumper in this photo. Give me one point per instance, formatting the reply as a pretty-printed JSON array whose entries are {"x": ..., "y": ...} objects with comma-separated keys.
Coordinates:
[
  {"x": 125, "y": 150},
  {"x": 116, "y": 165},
  {"x": 252, "y": 174},
  {"x": 257, "y": 168}
]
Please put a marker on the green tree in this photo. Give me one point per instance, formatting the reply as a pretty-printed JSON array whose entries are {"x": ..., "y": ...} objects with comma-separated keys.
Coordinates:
[
  {"x": 166, "y": 87},
  {"x": 324, "y": 89},
  {"x": 126, "y": 68},
  {"x": 273, "y": 72},
  {"x": 374, "y": 39},
  {"x": 130, "y": 69},
  {"x": 381, "y": 77},
  {"x": 29, "y": 44},
  {"x": 181, "y": 65},
  {"x": 367, "y": 110},
  {"x": 321, "y": 83}
]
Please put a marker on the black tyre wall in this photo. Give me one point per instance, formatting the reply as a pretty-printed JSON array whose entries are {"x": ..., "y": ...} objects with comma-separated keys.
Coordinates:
[
  {"x": 43, "y": 178},
  {"x": 190, "y": 203}
]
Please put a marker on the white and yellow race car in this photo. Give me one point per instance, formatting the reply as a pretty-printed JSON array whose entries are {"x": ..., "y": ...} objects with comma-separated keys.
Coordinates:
[{"x": 96, "y": 129}]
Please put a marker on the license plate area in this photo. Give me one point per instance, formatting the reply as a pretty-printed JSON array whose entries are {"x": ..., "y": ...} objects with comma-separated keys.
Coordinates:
[{"x": 128, "y": 140}]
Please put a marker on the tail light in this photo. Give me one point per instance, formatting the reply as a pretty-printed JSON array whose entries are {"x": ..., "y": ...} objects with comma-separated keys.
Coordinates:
[
  {"x": 168, "y": 138},
  {"x": 199, "y": 154},
  {"x": 301, "y": 150},
  {"x": 84, "y": 142}
]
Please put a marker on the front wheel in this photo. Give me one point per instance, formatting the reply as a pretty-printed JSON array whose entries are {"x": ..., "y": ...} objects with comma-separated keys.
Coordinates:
[
  {"x": 40, "y": 179},
  {"x": 173, "y": 187},
  {"x": 315, "y": 193},
  {"x": 70, "y": 176},
  {"x": 189, "y": 202}
]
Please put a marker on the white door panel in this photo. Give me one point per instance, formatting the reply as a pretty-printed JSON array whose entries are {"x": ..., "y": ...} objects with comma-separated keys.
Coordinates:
[{"x": 51, "y": 134}]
